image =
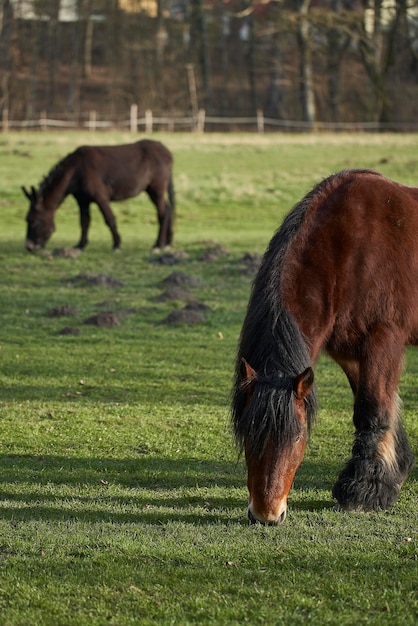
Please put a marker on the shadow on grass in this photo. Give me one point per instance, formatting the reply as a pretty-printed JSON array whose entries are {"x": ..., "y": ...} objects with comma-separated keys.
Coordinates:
[
  {"x": 89, "y": 490},
  {"x": 146, "y": 391},
  {"x": 160, "y": 489},
  {"x": 142, "y": 472}
]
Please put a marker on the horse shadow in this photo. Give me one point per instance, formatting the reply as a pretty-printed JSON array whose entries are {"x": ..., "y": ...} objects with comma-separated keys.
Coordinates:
[{"x": 155, "y": 490}]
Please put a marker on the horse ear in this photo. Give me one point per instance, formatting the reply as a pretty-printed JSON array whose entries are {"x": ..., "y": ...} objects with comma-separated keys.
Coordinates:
[
  {"x": 31, "y": 195},
  {"x": 302, "y": 383},
  {"x": 27, "y": 194},
  {"x": 248, "y": 375}
]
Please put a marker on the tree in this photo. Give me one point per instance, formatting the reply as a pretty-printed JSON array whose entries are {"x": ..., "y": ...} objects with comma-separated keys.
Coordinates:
[
  {"x": 6, "y": 27},
  {"x": 379, "y": 30},
  {"x": 304, "y": 39},
  {"x": 199, "y": 48},
  {"x": 338, "y": 40}
]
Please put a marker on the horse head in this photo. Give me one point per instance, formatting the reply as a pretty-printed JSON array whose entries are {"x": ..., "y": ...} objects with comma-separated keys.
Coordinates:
[
  {"x": 40, "y": 221},
  {"x": 274, "y": 434}
]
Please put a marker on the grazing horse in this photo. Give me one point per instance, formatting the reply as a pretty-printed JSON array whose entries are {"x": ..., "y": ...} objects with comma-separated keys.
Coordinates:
[
  {"x": 100, "y": 174},
  {"x": 340, "y": 275}
]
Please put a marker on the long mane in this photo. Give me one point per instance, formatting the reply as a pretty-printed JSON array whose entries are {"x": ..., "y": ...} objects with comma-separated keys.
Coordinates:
[{"x": 272, "y": 343}]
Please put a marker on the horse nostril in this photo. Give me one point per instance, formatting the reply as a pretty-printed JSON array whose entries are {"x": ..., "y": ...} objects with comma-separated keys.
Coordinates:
[{"x": 251, "y": 518}]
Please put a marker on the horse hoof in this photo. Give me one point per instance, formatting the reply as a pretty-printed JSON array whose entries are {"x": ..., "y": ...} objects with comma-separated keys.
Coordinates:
[{"x": 364, "y": 496}]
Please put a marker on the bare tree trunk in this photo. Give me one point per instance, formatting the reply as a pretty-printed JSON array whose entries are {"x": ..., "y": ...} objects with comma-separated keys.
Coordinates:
[
  {"x": 252, "y": 71},
  {"x": 6, "y": 27},
  {"x": 306, "y": 73},
  {"x": 338, "y": 42},
  {"x": 84, "y": 11},
  {"x": 199, "y": 47},
  {"x": 275, "y": 101},
  {"x": 52, "y": 53},
  {"x": 33, "y": 70},
  {"x": 161, "y": 37},
  {"x": 73, "y": 86},
  {"x": 409, "y": 31},
  {"x": 377, "y": 52},
  {"x": 115, "y": 53}
]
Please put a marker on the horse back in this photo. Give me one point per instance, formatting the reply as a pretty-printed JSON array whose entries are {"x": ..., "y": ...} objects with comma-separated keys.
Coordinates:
[
  {"x": 121, "y": 171},
  {"x": 354, "y": 261}
]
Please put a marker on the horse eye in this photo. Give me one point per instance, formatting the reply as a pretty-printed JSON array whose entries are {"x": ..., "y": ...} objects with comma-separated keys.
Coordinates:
[{"x": 298, "y": 438}]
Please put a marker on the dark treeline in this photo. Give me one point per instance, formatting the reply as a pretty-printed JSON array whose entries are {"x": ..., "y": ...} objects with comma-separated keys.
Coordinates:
[{"x": 309, "y": 60}]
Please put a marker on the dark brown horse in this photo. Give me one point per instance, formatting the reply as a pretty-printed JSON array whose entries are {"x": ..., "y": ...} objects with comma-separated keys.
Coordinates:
[
  {"x": 340, "y": 275},
  {"x": 100, "y": 174}
]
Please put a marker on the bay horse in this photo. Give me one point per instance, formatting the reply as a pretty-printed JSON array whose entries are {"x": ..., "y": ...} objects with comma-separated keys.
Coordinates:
[
  {"x": 100, "y": 174},
  {"x": 339, "y": 275}
]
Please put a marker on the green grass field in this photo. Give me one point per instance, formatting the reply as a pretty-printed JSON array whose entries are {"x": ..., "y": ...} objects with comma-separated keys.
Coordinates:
[{"x": 122, "y": 497}]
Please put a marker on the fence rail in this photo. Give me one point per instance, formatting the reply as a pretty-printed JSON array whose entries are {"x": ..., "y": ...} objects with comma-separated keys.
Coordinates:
[{"x": 197, "y": 123}]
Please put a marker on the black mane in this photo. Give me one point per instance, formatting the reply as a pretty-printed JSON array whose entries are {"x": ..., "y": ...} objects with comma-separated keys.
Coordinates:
[{"x": 55, "y": 174}]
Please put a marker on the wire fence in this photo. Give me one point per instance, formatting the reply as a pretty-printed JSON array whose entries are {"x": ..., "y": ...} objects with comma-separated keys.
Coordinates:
[{"x": 198, "y": 122}]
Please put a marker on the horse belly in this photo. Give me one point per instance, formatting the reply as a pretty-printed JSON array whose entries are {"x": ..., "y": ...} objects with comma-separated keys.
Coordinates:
[
  {"x": 127, "y": 185},
  {"x": 123, "y": 192}
]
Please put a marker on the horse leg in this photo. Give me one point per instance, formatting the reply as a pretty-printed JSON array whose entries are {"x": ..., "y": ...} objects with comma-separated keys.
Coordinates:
[
  {"x": 381, "y": 455},
  {"x": 351, "y": 369},
  {"x": 84, "y": 207},
  {"x": 165, "y": 234},
  {"x": 110, "y": 221}
]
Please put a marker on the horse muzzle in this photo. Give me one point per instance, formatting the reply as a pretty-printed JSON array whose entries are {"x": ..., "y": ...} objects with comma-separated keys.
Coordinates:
[
  {"x": 31, "y": 246},
  {"x": 273, "y": 521}
]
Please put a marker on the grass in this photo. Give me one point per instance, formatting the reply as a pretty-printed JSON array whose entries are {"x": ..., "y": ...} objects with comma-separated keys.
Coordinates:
[{"x": 122, "y": 500}]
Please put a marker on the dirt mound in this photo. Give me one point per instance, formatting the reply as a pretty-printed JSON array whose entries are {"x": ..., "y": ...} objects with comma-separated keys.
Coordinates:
[
  {"x": 184, "y": 316},
  {"x": 104, "y": 319},
  {"x": 170, "y": 258},
  {"x": 251, "y": 262},
  {"x": 62, "y": 311},
  {"x": 198, "y": 306},
  {"x": 99, "y": 280},
  {"x": 66, "y": 253},
  {"x": 213, "y": 253},
  {"x": 192, "y": 313},
  {"x": 180, "y": 279},
  {"x": 173, "y": 294},
  {"x": 70, "y": 330}
]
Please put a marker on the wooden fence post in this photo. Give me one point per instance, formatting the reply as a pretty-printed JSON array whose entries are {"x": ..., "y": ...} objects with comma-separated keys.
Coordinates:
[
  {"x": 192, "y": 91},
  {"x": 260, "y": 121},
  {"x": 92, "y": 120},
  {"x": 148, "y": 121},
  {"x": 5, "y": 120},
  {"x": 201, "y": 115},
  {"x": 5, "y": 99},
  {"x": 134, "y": 118}
]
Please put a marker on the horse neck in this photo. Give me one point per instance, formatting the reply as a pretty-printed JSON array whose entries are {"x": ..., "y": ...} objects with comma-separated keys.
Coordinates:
[{"x": 55, "y": 187}]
